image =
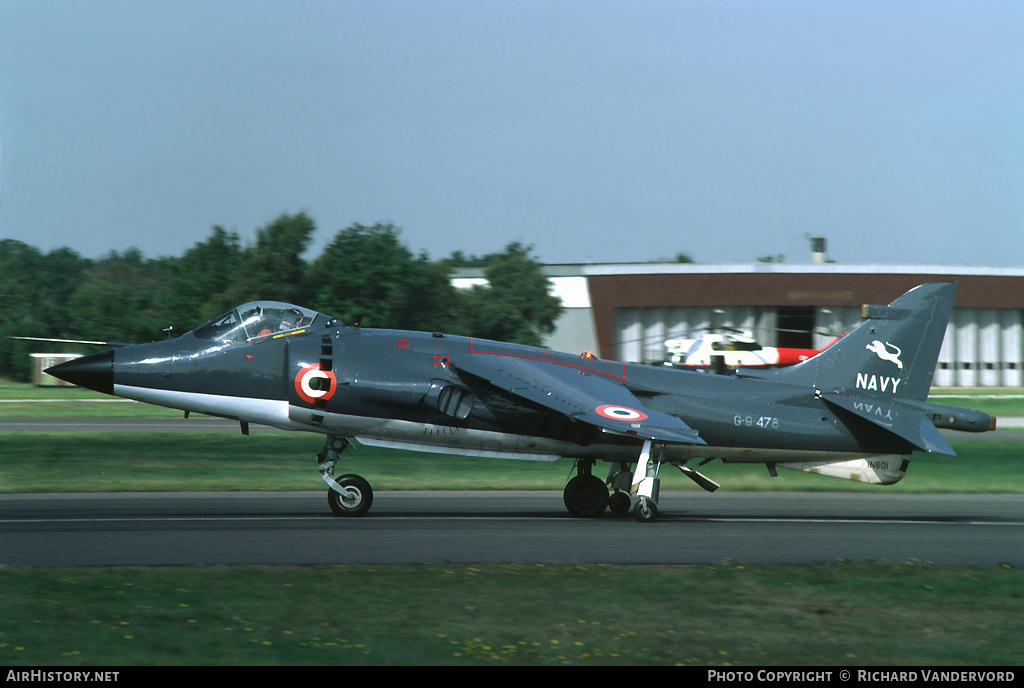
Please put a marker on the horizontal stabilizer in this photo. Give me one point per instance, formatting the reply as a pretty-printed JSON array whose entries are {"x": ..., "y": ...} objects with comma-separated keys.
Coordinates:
[{"x": 910, "y": 424}]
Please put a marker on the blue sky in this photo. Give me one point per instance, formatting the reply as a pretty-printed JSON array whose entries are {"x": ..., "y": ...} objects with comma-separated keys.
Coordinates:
[{"x": 591, "y": 130}]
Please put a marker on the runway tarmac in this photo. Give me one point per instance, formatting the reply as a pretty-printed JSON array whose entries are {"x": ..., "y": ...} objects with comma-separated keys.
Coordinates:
[
  {"x": 500, "y": 527},
  {"x": 482, "y": 527}
]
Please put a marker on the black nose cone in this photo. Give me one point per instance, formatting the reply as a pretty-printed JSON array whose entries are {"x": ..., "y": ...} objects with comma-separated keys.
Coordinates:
[{"x": 95, "y": 371}]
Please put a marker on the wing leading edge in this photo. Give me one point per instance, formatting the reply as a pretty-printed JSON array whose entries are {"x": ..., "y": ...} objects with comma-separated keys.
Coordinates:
[{"x": 578, "y": 393}]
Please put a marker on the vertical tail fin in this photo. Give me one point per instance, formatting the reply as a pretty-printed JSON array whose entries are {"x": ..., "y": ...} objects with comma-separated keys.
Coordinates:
[{"x": 892, "y": 354}]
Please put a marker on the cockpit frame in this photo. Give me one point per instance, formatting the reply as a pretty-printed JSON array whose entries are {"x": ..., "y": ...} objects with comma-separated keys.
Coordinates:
[{"x": 257, "y": 320}]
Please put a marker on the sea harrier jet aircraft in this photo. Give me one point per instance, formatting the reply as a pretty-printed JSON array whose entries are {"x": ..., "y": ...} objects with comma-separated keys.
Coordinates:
[{"x": 856, "y": 410}]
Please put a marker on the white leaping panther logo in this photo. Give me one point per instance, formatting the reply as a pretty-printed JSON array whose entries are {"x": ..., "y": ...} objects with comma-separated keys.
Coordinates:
[{"x": 882, "y": 351}]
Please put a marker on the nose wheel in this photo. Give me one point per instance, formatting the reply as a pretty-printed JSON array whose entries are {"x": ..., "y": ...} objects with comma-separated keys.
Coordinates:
[
  {"x": 349, "y": 495},
  {"x": 354, "y": 500}
]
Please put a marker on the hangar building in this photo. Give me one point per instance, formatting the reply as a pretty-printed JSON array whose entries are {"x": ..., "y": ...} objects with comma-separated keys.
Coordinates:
[{"x": 626, "y": 312}]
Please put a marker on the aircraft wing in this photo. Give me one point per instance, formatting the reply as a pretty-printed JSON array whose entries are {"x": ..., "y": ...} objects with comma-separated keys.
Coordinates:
[{"x": 578, "y": 393}]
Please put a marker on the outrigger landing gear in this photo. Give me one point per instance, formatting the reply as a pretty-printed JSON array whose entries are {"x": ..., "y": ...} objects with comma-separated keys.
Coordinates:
[
  {"x": 350, "y": 495},
  {"x": 646, "y": 484}
]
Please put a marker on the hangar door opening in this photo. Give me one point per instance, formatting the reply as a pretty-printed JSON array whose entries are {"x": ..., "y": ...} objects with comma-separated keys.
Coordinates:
[{"x": 795, "y": 327}]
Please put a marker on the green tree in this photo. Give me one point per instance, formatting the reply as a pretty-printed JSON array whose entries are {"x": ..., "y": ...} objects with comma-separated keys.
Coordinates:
[
  {"x": 516, "y": 305},
  {"x": 204, "y": 279},
  {"x": 19, "y": 266},
  {"x": 274, "y": 269},
  {"x": 104, "y": 311},
  {"x": 458, "y": 259},
  {"x": 35, "y": 293},
  {"x": 367, "y": 273},
  {"x": 123, "y": 297}
]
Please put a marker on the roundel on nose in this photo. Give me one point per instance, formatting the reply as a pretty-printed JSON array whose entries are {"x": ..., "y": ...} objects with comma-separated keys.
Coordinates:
[{"x": 313, "y": 384}]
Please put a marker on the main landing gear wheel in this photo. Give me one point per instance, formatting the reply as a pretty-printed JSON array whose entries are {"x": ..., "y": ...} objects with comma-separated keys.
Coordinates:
[
  {"x": 357, "y": 498},
  {"x": 585, "y": 496}
]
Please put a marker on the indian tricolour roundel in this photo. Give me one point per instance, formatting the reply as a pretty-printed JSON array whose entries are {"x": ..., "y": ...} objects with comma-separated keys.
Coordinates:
[
  {"x": 620, "y": 412},
  {"x": 312, "y": 383}
]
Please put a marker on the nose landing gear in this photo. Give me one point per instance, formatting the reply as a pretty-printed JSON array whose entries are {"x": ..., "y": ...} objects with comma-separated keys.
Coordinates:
[
  {"x": 349, "y": 495},
  {"x": 356, "y": 498}
]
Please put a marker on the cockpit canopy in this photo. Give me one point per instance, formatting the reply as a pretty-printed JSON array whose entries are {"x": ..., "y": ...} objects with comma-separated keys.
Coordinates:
[{"x": 260, "y": 319}]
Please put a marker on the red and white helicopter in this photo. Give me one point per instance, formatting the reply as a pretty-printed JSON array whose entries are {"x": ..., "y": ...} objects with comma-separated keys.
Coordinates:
[{"x": 721, "y": 351}]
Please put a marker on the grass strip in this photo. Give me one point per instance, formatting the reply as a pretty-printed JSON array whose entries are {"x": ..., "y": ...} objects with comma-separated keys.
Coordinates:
[{"x": 722, "y": 615}]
